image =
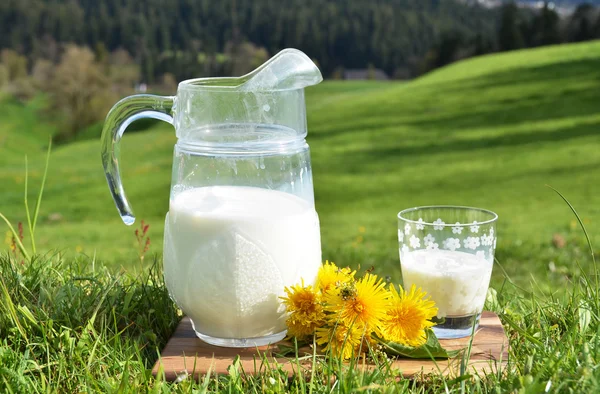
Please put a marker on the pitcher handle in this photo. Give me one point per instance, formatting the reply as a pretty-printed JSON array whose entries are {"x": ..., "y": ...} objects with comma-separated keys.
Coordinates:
[{"x": 119, "y": 117}]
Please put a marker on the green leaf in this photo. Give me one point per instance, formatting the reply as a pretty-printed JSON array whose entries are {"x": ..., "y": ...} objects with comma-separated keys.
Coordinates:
[
  {"x": 585, "y": 317},
  {"x": 430, "y": 349},
  {"x": 284, "y": 350}
]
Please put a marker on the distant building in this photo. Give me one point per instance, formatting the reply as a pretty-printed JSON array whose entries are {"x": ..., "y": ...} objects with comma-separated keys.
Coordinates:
[
  {"x": 561, "y": 7},
  {"x": 141, "y": 88},
  {"x": 366, "y": 73}
]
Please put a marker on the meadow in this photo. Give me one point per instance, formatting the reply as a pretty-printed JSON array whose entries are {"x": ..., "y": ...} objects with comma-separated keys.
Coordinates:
[{"x": 489, "y": 132}]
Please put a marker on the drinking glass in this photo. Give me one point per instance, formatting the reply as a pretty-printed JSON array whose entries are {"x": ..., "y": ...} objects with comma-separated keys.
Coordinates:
[{"x": 448, "y": 251}]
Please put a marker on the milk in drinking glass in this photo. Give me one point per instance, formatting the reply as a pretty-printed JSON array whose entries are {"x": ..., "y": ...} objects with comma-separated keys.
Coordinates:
[{"x": 449, "y": 252}]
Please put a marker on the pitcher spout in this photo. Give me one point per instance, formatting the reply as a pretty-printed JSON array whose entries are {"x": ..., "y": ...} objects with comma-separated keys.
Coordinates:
[{"x": 288, "y": 69}]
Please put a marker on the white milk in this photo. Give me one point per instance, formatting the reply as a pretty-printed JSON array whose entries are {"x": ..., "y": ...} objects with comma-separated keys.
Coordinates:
[
  {"x": 456, "y": 281},
  {"x": 230, "y": 251}
]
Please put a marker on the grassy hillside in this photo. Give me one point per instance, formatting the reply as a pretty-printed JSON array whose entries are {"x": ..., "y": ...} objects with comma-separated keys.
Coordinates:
[{"x": 488, "y": 132}]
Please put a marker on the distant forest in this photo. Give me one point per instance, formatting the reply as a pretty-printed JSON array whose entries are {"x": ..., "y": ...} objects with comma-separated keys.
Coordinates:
[
  {"x": 190, "y": 38},
  {"x": 200, "y": 37}
]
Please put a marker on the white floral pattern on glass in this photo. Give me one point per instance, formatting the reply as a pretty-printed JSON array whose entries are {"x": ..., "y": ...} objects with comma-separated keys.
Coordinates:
[
  {"x": 457, "y": 229},
  {"x": 404, "y": 249},
  {"x": 420, "y": 224},
  {"x": 400, "y": 236},
  {"x": 429, "y": 239},
  {"x": 432, "y": 246},
  {"x": 414, "y": 242},
  {"x": 491, "y": 232},
  {"x": 438, "y": 224},
  {"x": 407, "y": 229},
  {"x": 471, "y": 243},
  {"x": 474, "y": 227},
  {"x": 451, "y": 244},
  {"x": 487, "y": 240},
  {"x": 494, "y": 243}
]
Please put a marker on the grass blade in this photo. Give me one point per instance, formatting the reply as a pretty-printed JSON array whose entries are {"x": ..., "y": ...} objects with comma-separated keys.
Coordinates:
[
  {"x": 589, "y": 242},
  {"x": 26, "y": 202},
  {"x": 39, "y": 199},
  {"x": 10, "y": 306},
  {"x": 313, "y": 366},
  {"x": 16, "y": 236},
  {"x": 521, "y": 331},
  {"x": 587, "y": 237}
]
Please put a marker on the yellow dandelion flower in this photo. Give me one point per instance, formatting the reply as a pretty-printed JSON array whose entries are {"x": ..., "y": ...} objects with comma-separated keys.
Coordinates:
[
  {"x": 363, "y": 304},
  {"x": 306, "y": 312},
  {"x": 330, "y": 276},
  {"x": 342, "y": 341},
  {"x": 409, "y": 316}
]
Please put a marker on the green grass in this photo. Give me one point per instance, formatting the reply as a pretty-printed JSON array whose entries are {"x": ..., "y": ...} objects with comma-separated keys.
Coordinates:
[
  {"x": 489, "y": 132},
  {"x": 74, "y": 326}
]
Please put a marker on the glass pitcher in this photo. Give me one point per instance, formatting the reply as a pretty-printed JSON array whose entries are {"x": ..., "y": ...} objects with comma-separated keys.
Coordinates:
[{"x": 241, "y": 223}]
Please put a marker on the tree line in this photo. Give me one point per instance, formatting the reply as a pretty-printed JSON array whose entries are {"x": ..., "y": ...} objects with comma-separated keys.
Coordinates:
[
  {"x": 191, "y": 38},
  {"x": 518, "y": 28}
]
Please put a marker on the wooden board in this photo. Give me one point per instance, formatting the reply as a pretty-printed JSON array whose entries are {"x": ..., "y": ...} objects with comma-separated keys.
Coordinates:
[{"x": 185, "y": 353}]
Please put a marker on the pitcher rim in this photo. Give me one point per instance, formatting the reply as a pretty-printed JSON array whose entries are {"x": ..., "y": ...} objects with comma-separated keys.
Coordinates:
[{"x": 228, "y": 85}]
